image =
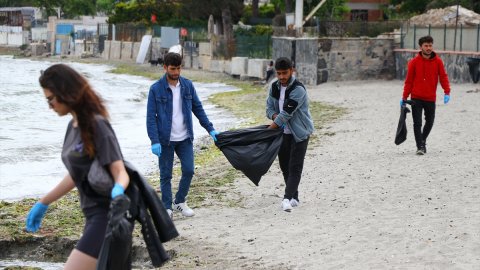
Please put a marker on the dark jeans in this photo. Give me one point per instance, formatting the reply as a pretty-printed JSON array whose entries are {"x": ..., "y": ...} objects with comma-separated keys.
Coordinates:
[
  {"x": 291, "y": 157},
  {"x": 184, "y": 151},
  {"x": 418, "y": 107}
]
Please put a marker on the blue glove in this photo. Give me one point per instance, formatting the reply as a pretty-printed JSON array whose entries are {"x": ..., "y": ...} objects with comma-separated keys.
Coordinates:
[
  {"x": 157, "y": 149},
  {"x": 35, "y": 216},
  {"x": 214, "y": 134},
  {"x": 117, "y": 190},
  {"x": 446, "y": 99},
  {"x": 402, "y": 102}
]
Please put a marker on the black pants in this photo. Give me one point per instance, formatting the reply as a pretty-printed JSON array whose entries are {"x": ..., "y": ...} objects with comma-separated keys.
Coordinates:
[
  {"x": 418, "y": 107},
  {"x": 291, "y": 157}
]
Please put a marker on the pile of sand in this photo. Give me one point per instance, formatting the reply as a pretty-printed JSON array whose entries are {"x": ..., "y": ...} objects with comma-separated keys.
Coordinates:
[{"x": 442, "y": 16}]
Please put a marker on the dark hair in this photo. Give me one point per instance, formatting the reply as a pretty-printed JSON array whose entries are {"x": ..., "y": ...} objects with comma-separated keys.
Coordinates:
[
  {"x": 425, "y": 39},
  {"x": 283, "y": 63},
  {"x": 73, "y": 90},
  {"x": 172, "y": 59}
]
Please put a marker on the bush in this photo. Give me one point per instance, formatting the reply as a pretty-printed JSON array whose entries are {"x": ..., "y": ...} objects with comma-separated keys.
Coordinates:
[{"x": 257, "y": 30}]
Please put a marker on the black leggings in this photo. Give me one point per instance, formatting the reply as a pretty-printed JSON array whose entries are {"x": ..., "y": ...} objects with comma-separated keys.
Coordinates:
[
  {"x": 291, "y": 157},
  {"x": 418, "y": 107},
  {"x": 94, "y": 231}
]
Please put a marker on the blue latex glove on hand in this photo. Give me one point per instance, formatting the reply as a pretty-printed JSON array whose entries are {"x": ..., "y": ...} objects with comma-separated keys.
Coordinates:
[
  {"x": 402, "y": 102},
  {"x": 446, "y": 99},
  {"x": 157, "y": 149},
  {"x": 117, "y": 190},
  {"x": 214, "y": 134},
  {"x": 35, "y": 216}
]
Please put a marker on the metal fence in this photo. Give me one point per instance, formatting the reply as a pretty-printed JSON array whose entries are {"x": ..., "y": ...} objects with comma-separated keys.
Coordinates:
[
  {"x": 461, "y": 38},
  {"x": 253, "y": 46}
]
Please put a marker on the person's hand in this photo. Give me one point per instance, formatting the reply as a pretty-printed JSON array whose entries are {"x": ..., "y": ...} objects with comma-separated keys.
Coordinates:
[
  {"x": 157, "y": 149},
  {"x": 214, "y": 134},
  {"x": 35, "y": 216},
  {"x": 402, "y": 102},
  {"x": 446, "y": 99},
  {"x": 117, "y": 190}
]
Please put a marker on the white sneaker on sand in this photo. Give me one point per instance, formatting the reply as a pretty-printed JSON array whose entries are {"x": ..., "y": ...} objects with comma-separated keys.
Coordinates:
[
  {"x": 294, "y": 203},
  {"x": 170, "y": 213},
  {"x": 286, "y": 206},
  {"x": 184, "y": 209}
]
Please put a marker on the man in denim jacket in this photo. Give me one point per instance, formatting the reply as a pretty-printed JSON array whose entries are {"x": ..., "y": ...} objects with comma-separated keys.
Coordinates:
[
  {"x": 287, "y": 106},
  {"x": 171, "y": 101}
]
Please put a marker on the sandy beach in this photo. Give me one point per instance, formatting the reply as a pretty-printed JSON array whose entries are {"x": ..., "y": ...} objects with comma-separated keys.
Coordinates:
[{"x": 365, "y": 202}]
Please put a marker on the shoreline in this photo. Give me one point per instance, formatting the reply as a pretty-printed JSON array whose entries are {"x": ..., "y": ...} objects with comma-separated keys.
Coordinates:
[{"x": 213, "y": 184}]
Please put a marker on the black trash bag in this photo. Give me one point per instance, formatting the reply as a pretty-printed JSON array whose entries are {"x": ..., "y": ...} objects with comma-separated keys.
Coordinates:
[
  {"x": 251, "y": 150},
  {"x": 401, "y": 134},
  {"x": 115, "y": 253},
  {"x": 162, "y": 221}
]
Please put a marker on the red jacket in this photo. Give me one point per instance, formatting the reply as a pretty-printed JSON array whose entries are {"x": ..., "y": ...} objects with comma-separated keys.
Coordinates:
[{"x": 422, "y": 78}]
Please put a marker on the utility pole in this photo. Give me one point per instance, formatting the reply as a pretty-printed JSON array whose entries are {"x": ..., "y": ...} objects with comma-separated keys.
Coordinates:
[{"x": 299, "y": 16}]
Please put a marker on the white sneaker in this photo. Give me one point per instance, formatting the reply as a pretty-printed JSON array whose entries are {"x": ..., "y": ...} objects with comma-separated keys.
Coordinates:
[
  {"x": 170, "y": 213},
  {"x": 294, "y": 203},
  {"x": 184, "y": 209},
  {"x": 286, "y": 206}
]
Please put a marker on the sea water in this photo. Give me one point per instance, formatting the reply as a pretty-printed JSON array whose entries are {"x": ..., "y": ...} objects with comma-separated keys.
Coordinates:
[{"x": 31, "y": 134}]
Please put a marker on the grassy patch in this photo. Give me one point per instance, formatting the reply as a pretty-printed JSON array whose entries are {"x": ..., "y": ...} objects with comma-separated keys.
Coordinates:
[{"x": 63, "y": 219}]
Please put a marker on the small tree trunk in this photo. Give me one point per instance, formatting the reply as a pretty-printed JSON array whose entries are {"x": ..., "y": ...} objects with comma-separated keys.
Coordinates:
[
  {"x": 255, "y": 8},
  {"x": 228, "y": 31}
]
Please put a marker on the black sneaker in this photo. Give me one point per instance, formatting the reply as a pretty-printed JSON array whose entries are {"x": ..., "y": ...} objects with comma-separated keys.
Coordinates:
[
  {"x": 421, "y": 151},
  {"x": 424, "y": 147}
]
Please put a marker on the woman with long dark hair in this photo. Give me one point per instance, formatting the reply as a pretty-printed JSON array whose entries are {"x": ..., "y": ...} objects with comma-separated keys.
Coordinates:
[{"x": 89, "y": 136}]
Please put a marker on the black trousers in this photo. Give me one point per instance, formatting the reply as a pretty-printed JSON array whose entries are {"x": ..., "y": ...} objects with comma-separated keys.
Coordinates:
[
  {"x": 418, "y": 107},
  {"x": 291, "y": 157}
]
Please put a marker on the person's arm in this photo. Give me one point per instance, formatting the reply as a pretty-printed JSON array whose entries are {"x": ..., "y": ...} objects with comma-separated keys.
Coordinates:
[
  {"x": 119, "y": 173},
  {"x": 443, "y": 77},
  {"x": 270, "y": 110},
  {"x": 37, "y": 212},
  {"x": 152, "y": 128},
  {"x": 62, "y": 188},
  {"x": 408, "y": 86},
  {"x": 199, "y": 112}
]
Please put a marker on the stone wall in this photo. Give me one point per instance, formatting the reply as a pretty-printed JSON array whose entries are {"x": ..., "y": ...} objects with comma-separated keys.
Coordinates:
[
  {"x": 319, "y": 60},
  {"x": 455, "y": 64}
]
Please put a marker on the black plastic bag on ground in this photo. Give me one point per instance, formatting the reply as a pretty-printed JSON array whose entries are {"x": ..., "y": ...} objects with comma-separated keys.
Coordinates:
[
  {"x": 117, "y": 244},
  {"x": 401, "y": 134},
  {"x": 251, "y": 150}
]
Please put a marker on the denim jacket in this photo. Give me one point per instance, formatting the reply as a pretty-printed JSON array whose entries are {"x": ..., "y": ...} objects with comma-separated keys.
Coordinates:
[
  {"x": 295, "y": 114},
  {"x": 160, "y": 110}
]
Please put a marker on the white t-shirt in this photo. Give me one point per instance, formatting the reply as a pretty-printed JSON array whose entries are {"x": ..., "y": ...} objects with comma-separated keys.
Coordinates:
[
  {"x": 179, "y": 129},
  {"x": 286, "y": 130}
]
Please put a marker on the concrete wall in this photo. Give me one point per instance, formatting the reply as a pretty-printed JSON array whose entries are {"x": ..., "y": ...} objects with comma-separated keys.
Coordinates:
[
  {"x": 319, "y": 60},
  {"x": 455, "y": 64},
  {"x": 12, "y": 39},
  {"x": 126, "y": 50},
  {"x": 239, "y": 66},
  {"x": 256, "y": 68}
]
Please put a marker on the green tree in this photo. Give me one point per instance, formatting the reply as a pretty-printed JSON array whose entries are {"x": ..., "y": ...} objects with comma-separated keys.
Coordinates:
[
  {"x": 17, "y": 3},
  {"x": 330, "y": 9}
]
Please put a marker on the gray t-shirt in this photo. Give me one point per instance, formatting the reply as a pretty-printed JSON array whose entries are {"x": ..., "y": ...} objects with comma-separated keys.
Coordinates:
[{"x": 77, "y": 162}]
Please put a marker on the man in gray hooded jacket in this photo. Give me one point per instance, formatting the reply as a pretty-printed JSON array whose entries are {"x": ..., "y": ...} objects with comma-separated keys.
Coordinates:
[{"x": 287, "y": 106}]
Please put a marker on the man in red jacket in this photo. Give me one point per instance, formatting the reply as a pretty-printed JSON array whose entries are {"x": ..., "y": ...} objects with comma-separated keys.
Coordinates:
[{"x": 424, "y": 72}]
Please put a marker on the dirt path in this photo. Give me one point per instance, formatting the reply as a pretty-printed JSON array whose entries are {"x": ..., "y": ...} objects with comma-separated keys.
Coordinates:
[{"x": 365, "y": 202}]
